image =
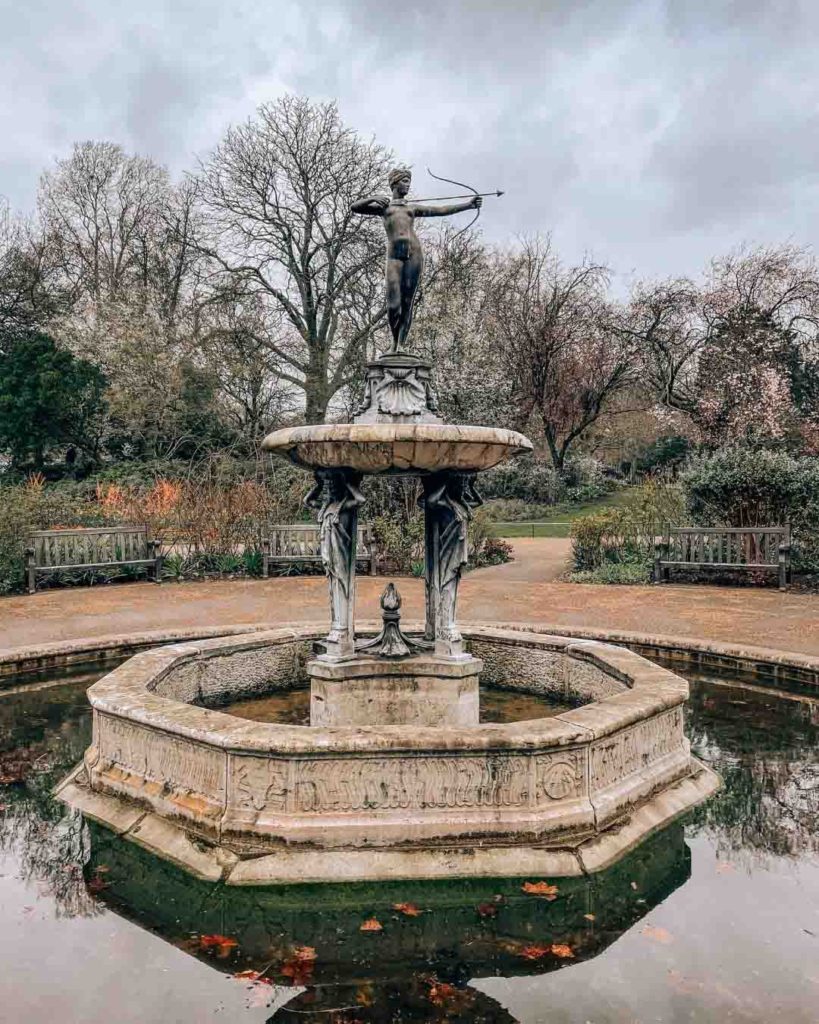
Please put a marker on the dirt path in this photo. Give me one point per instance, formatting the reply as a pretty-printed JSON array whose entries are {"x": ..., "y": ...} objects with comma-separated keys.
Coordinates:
[{"x": 524, "y": 591}]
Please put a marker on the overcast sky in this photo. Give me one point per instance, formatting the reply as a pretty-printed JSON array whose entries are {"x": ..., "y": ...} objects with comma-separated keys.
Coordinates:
[{"x": 652, "y": 134}]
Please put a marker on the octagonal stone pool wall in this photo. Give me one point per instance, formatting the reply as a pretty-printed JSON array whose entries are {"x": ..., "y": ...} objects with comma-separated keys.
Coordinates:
[{"x": 159, "y": 759}]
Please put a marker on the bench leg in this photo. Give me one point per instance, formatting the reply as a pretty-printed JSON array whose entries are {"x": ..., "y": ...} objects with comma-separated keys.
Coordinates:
[
  {"x": 160, "y": 559},
  {"x": 32, "y": 583}
]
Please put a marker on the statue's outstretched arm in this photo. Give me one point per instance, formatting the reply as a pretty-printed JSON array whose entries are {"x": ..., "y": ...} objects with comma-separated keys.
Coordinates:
[
  {"x": 371, "y": 206},
  {"x": 444, "y": 211}
]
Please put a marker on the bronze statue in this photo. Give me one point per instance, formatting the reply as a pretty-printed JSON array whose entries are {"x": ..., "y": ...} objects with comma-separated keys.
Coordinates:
[{"x": 404, "y": 257}]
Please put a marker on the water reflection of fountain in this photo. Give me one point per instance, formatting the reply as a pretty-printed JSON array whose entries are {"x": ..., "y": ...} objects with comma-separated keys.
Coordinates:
[{"x": 420, "y": 964}]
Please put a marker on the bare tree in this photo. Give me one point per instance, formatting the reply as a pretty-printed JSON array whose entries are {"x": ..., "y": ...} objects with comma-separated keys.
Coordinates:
[
  {"x": 30, "y": 291},
  {"x": 102, "y": 205},
  {"x": 276, "y": 195},
  {"x": 557, "y": 337},
  {"x": 234, "y": 330},
  {"x": 665, "y": 323}
]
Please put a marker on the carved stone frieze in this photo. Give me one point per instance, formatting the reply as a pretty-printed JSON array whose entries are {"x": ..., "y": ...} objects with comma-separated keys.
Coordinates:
[
  {"x": 616, "y": 757},
  {"x": 358, "y": 784},
  {"x": 174, "y": 762}
]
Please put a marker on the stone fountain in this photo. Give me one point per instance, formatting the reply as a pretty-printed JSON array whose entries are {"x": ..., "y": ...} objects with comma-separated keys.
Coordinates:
[{"x": 395, "y": 777}]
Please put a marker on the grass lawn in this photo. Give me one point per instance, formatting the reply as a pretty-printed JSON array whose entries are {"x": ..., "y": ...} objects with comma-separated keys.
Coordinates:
[{"x": 558, "y": 523}]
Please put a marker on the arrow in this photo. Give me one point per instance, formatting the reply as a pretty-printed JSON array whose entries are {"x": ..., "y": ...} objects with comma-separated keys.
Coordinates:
[{"x": 464, "y": 195}]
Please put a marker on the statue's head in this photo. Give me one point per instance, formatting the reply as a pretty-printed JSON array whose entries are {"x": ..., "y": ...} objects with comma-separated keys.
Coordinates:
[{"x": 400, "y": 179}]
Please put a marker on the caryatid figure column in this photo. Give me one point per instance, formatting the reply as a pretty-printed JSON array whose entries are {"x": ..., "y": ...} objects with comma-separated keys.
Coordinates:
[
  {"x": 337, "y": 513},
  {"x": 449, "y": 499}
]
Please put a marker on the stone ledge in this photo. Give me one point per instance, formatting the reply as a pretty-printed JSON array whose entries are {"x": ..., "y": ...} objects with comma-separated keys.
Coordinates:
[
  {"x": 213, "y": 862},
  {"x": 788, "y": 665}
]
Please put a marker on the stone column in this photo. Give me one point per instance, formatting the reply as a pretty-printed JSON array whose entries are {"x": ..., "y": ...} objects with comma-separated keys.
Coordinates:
[
  {"x": 449, "y": 499},
  {"x": 336, "y": 498}
]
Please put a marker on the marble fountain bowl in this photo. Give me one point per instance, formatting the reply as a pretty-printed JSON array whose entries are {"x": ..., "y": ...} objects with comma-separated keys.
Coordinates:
[
  {"x": 253, "y": 803},
  {"x": 410, "y": 448}
]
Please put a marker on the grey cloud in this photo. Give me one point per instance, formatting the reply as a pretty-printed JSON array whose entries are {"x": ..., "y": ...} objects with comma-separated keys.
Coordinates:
[{"x": 653, "y": 132}]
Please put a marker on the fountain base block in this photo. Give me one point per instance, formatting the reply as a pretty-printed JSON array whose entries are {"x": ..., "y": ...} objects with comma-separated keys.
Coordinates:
[{"x": 422, "y": 690}]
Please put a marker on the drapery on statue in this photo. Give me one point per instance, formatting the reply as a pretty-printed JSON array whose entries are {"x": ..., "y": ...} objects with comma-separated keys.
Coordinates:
[
  {"x": 404, "y": 256},
  {"x": 448, "y": 500},
  {"x": 338, "y": 526}
]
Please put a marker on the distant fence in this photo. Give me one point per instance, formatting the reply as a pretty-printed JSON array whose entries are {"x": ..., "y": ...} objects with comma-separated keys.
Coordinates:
[{"x": 525, "y": 528}]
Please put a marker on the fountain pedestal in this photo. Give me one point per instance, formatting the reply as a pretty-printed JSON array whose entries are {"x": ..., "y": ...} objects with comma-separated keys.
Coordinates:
[{"x": 421, "y": 690}]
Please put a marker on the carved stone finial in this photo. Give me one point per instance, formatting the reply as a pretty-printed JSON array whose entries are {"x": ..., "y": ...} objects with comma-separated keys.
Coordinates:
[{"x": 390, "y": 642}]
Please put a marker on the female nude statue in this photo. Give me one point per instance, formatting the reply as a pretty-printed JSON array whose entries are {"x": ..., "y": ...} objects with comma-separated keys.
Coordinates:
[{"x": 404, "y": 257}]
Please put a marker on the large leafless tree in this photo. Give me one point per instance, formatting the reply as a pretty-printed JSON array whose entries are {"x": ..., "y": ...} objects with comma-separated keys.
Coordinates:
[
  {"x": 276, "y": 195},
  {"x": 556, "y": 334}
]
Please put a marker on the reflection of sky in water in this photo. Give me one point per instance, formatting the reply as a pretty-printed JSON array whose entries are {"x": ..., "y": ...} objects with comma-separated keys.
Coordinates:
[{"x": 738, "y": 940}]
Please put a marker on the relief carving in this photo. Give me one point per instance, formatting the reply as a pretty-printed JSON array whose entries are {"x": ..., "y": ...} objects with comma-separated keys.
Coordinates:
[
  {"x": 559, "y": 775},
  {"x": 174, "y": 762},
  {"x": 402, "y": 783},
  {"x": 260, "y": 784},
  {"x": 627, "y": 752}
]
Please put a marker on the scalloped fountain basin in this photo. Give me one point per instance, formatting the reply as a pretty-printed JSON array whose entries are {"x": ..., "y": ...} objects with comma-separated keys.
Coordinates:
[
  {"x": 397, "y": 448},
  {"x": 258, "y": 803}
]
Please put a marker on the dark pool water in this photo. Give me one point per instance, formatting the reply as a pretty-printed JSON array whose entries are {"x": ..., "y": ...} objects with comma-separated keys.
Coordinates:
[{"x": 713, "y": 920}]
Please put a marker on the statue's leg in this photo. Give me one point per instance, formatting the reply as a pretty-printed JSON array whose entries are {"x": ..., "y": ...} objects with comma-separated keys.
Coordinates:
[
  {"x": 409, "y": 285},
  {"x": 394, "y": 272}
]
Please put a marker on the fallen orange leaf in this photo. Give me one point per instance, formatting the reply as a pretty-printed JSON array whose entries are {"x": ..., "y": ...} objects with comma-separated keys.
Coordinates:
[
  {"x": 534, "y": 952},
  {"x": 223, "y": 944},
  {"x": 660, "y": 935},
  {"x": 563, "y": 951},
  {"x": 254, "y": 976},
  {"x": 304, "y": 953},
  {"x": 548, "y": 892},
  {"x": 372, "y": 924},
  {"x": 409, "y": 909}
]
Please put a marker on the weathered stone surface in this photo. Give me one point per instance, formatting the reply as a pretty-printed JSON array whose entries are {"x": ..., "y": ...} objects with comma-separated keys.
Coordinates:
[
  {"x": 397, "y": 448},
  {"x": 551, "y": 781},
  {"x": 168, "y": 840},
  {"x": 287, "y": 865},
  {"x": 419, "y": 690}
]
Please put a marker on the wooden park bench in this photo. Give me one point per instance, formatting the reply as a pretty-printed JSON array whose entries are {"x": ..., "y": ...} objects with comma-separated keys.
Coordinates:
[
  {"x": 301, "y": 542},
  {"x": 751, "y": 549},
  {"x": 101, "y": 547}
]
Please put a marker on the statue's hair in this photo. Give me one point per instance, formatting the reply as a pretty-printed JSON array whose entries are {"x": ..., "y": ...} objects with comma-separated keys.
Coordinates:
[{"x": 397, "y": 173}]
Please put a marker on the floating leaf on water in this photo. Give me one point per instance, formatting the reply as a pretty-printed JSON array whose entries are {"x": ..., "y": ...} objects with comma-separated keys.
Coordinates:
[
  {"x": 589, "y": 917},
  {"x": 535, "y": 951},
  {"x": 408, "y": 909},
  {"x": 221, "y": 944},
  {"x": 542, "y": 889},
  {"x": 563, "y": 951},
  {"x": 372, "y": 924},
  {"x": 304, "y": 953}
]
